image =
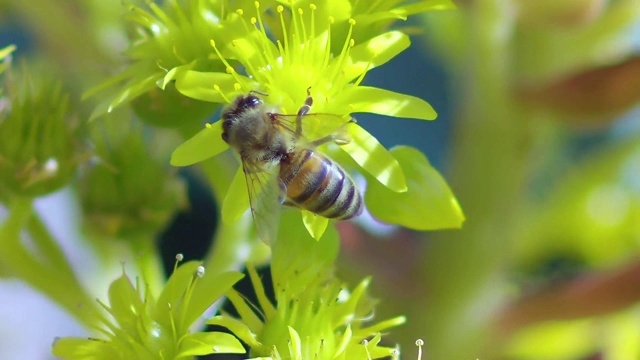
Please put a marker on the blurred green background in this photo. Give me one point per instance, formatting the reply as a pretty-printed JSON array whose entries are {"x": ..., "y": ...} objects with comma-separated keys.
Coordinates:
[{"x": 538, "y": 136}]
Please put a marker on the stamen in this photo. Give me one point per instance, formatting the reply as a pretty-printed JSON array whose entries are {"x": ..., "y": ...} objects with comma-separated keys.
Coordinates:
[
  {"x": 395, "y": 354},
  {"x": 348, "y": 43},
  {"x": 264, "y": 39},
  {"x": 305, "y": 41},
  {"x": 369, "y": 64},
  {"x": 285, "y": 35},
  {"x": 217, "y": 88},
  {"x": 365, "y": 343},
  {"x": 240, "y": 13},
  {"x": 327, "y": 54},
  {"x": 200, "y": 271},
  {"x": 313, "y": 21},
  {"x": 419, "y": 344},
  {"x": 229, "y": 68},
  {"x": 247, "y": 64}
]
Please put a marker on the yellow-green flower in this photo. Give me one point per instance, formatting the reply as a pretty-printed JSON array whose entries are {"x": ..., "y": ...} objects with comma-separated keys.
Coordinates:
[
  {"x": 282, "y": 53},
  {"x": 315, "y": 316},
  {"x": 148, "y": 328}
]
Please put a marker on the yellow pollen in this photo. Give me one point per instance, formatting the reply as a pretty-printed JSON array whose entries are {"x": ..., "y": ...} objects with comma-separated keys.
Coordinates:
[
  {"x": 280, "y": 9},
  {"x": 253, "y": 20},
  {"x": 352, "y": 21},
  {"x": 257, "y": 3},
  {"x": 312, "y": 7},
  {"x": 300, "y": 11},
  {"x": 240, "y": 12},
  {"x": 207, "y": 125},
  {"x": 352, "y": 42},
  {"x": 237, "y": 86},
  {"x": 331, "y": 20},
  {"x": 230, "y": 70}
]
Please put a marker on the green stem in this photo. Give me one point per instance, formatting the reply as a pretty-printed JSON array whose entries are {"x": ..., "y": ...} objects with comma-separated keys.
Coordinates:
[
  {"x": 48, "y": 245},
  {"x": 63, "y": 289}
]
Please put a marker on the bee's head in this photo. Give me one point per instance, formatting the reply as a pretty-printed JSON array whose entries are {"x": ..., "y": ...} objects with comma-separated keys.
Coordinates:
[{"x": 240, "y": 105}]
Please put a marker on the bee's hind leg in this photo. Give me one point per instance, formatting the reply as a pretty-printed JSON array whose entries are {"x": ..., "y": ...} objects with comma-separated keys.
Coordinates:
[
  {"x": 340, "y": 137},
  {"x": 337, "y": 138},
  {"x": 304, "y": 109}
]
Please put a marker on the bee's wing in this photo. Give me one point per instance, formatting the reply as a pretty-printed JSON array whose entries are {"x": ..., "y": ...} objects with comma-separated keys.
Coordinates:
[
  {"x": 266, "y": 195},
  {"x": 316, "y": 125}
]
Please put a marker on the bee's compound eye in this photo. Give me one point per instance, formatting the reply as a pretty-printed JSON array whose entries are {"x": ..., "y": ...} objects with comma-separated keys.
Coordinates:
[{"x": 253, "y": 101}]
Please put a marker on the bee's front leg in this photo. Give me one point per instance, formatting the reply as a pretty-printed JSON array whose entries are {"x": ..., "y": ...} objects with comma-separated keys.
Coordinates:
[{"x": 304, "y": 109}]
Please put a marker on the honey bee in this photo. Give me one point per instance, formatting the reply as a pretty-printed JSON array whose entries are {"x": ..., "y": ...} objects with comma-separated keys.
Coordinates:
[{"x": 283, "y": 167}]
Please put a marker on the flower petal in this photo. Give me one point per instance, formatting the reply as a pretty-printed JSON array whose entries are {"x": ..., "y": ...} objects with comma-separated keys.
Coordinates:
[
  {"x": 315, "y": 224},
  {"x": 204, "y": 343},
  {"x": 429, "y": 204},
  {"x": 203, "y": 145},
  {"x": 375, "y": 52},
  {"x": 385, "y": 102},
  {"x": 365, "y": 149},
  {"x": 202, "y": 85},
  {"x": 236, "y": 201}
]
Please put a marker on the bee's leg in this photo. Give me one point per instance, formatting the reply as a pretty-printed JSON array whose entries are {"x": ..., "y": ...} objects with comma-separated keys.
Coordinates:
[
  {"x": 304, "y": 109},
  {"x": 340, "y": 137},
  {"x": 282, "y": 197},
  {"x": 337, "y": 138}
]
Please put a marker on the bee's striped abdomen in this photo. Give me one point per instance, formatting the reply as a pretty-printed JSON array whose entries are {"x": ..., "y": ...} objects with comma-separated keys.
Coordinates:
[{"x": 317, "y": 184}]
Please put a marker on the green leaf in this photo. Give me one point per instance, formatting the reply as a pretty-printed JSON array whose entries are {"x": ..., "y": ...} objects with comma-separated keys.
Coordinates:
[
  {"x": 82, "y": 348},
  {"x": 208, "y": 290},
  {"x": 174, "y": 291},
  {"x": 295, "y": 344},
  {"x": 203, "y": 145},
  {"x": 374, "y": 158},
  {"x": 204, "y": 343},
  {"x": 236, "y": 200},
  {"x": 315, "y": 224},
  {"x": 429, "y": 204},
  {"x": 344, "y": 341},
  {"x": 263, "y": 300},
  {"x": 238, "y": 328},
  {"x": 125, "y": 303},
  {"x": 384, "y": 102},
  {"x": 245, "y": 311}
]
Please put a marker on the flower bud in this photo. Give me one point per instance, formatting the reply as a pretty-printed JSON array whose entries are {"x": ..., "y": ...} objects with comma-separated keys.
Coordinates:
[
  {"x": 129, "y": 191},
  {"x": 38, "y": 146}
]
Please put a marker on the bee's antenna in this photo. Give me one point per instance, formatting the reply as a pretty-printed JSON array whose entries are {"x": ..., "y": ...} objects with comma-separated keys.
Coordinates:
[{"x": 258, "y": 92}]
